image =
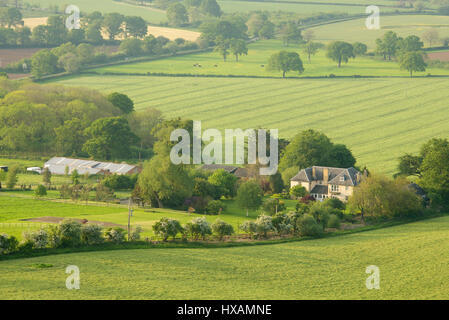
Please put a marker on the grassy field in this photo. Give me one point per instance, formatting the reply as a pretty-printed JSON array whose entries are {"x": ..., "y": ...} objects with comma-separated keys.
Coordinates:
[
  {"x": 105, "y": 6},
  {"x": 404, "y": 25},
  {"x": 254, "y": 64},
  {"x": 379, "y": 119},
  {"x": 412, "y": 260},
  {"x": 16, "y": 206}
]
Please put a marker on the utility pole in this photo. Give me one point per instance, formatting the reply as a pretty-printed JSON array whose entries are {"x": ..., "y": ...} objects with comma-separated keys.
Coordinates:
[{"x": 130, "y": 212}]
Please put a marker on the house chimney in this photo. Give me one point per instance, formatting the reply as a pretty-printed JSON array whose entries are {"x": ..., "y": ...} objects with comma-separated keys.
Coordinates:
[
  {"x": 314, "y": 173},
  {"x": 325, "y": 175}
]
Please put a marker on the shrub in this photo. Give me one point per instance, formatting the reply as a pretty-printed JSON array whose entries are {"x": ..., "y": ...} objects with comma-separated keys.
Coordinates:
[
  {"x": 120, "y": 182},
  {"x": 135, "y": 235},
  {"x": 115, "y": 235},
  {"x": 334, "y": 222},
  {"x": 321, "y": 213},
  {"x": 273, "y": 206},
  {"x": 40, "y": 191},
  {"x": 54, "y": 236},
  {"x": 215, "y": 206},
  {"x": 70, "y": 232},
  {"x": 298, "y": 191},
  {"x": 249, "y": 227},
  {"x": 91, "y": 234},
  {"x": 36, "y": 239},
  {"x": 307, "y": 226},
  {"x": 335, "y": 203},
  {"x": 198, "y": 227},
  {"x": 222, "y": 228},
  {"x": 302, "y": 208},
  {"x": 282, "y": 224},
  {"x": 167, "y": 227},
  {"x": 307, "y": 199},
  {"x": 293, "y": 218},
  {"x": 264, "y": 224},
  {"x": 8, "y": 244}
]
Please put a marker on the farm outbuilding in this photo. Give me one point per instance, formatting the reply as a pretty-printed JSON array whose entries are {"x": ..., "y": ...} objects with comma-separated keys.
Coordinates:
[{"x": 58, "y": 165}]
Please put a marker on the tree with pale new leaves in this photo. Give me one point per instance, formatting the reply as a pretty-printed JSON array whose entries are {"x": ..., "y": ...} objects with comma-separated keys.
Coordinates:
[{"x": 249, "y": 196}]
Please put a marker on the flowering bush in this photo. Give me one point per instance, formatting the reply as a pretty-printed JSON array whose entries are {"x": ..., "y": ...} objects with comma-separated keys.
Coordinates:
[
  {"x": 222, "y": 228},
  {"x": 37, "y": 239},
  {"x": 198, "y": 227},
  {"x": 167, "y": 228},
  {"x": 91, "y": 234},
  {"x": 116, "y": 235},
  {"x": 70, "y": 231}
]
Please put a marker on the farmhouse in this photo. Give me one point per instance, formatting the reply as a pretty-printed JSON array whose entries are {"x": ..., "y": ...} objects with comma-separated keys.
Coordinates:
[
  {"x": 327, "y": 182},
  {"x": 58, "y": 165}
]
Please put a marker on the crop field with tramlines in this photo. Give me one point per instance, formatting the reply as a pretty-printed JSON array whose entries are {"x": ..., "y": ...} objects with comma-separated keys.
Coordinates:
[
  {"x": 379, "y": 119},
  {"x": 412, "y": 260}
]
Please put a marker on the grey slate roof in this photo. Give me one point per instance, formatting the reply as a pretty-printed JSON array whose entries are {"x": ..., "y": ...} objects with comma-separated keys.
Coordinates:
[
  {"x": 319, "y": 189},
  {"x": 57, "y": 165},
  {"x": 336, "y": 176},
  {"x": 213, "y": 167}
]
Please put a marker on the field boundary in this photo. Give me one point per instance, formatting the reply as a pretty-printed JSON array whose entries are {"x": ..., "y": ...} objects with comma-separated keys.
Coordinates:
[
  {"x": 188, "y": 75},
  {"x": 208, "y": 244}
]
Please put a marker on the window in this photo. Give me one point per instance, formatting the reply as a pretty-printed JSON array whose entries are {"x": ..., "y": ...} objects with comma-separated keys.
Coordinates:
[
  {"x": 334, "y": 188},
  {"x": 342, "y": 178}
]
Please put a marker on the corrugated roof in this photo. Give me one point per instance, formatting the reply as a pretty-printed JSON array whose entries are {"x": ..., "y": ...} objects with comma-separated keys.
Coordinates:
[{"x": 57, "y": 165}]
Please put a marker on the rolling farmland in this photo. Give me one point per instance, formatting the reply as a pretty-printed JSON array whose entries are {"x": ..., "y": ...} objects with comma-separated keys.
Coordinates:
[
  {"x": 106, "y": 6},
  {"x": 412, "y": 259},
  {"x": 379, "y": 119},
  {"x": 403, "y": 25},
  {"x": 254, "y": 64}
]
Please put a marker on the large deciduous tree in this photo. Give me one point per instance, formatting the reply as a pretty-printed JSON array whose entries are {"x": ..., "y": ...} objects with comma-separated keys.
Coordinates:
[
  {"x": 340, "y": 51},
  {"x": 109, "y": 138},
  {"x": 163, "y": 183},
  {"x": 113, "y": 23},
  {"x": 238, "y": 47},
  {"x": 312, "y": 148},
  {"x": 286, "y": 61},
  {"x": 177, "y": 14},
  {"x": 412, "y": 62}
]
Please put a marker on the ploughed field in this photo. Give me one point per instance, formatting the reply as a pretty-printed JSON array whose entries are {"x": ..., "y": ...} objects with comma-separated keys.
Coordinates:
[
  {"x": 379, "y": 119},
  {"x": 412, "y": 260}
]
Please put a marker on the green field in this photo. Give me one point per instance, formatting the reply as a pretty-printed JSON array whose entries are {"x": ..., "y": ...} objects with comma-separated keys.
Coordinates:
[
  {"x": 412, "y": 260},
  {"x": 379, "y": 119},
  {"x": 254, "y": 64},
  {"x": 105, "y": 6},
  {"x": 307, "y": 8},
  {"x": 404, "y": 25},
  {"x": 16, "y": 206}
]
